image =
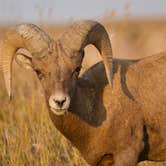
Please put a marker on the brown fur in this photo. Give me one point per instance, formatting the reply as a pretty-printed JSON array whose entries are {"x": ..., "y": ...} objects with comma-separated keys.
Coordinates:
[
  {"x": 121, "y": 125},
  {"x": 128, "y": 121}
]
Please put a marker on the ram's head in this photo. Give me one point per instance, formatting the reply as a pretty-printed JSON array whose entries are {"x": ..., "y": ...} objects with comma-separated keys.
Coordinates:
[{"x": 57, "y": 63}]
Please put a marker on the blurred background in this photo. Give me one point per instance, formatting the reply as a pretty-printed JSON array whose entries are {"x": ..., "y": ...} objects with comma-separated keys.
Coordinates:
[
  {"x": 27, "y": 136},
  {"x": 54, "y": 11}
]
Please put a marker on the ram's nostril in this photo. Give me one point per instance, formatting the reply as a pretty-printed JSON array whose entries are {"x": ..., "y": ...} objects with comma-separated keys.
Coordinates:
[{"x": 60, "y": 102}]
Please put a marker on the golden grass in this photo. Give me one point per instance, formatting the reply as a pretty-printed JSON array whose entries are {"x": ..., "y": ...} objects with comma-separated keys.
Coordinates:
[{"x": 27, "y": 135}]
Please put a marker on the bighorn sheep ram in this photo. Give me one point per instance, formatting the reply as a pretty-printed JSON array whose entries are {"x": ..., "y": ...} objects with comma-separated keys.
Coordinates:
[{"x": 118, "y": 123}]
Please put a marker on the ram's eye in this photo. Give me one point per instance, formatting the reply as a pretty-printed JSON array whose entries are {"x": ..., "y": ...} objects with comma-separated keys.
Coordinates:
[
  {"x": 78, "y": 69},
  {"x": 76, "y": 72},
  {"x": 39, "y": 73}
]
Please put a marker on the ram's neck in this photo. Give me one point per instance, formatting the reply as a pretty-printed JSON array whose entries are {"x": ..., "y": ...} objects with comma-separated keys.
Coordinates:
[{"x": 86, "y": 114}]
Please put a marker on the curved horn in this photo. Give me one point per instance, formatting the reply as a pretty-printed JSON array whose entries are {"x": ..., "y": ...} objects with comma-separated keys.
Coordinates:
[
  {"x": 26, "y": 36},
  {"x": 83, "y": 33}
]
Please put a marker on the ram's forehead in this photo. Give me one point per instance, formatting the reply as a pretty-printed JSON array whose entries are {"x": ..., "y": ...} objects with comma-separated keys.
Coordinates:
[{"x": 55, "y": 61}]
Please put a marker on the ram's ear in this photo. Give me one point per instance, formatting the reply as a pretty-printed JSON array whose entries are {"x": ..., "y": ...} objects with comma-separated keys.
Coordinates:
[{"x": 24, "y": 58}]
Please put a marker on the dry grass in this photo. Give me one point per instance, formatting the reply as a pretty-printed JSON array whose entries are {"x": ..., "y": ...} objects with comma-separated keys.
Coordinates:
[{"x": 27, "y": 136}]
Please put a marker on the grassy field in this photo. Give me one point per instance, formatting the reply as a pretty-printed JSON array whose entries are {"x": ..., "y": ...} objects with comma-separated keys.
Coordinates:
[{"x": 27, "y": 135}]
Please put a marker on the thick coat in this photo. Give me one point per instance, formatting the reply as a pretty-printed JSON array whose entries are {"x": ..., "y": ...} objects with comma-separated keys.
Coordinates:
[{"x": 125, "y": 123}]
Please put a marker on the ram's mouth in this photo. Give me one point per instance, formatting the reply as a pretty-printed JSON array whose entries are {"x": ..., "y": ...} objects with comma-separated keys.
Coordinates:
[{"x": 59, "y": 112}]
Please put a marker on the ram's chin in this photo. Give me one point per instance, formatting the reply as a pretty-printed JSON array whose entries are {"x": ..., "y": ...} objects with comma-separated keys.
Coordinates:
[{"x": 59, "y": 112}]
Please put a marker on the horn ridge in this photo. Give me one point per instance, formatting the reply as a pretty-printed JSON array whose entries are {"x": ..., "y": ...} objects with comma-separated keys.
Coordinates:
[
  {"x": 27, "y": 36},
  {"x": 82, "y": 33}
]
